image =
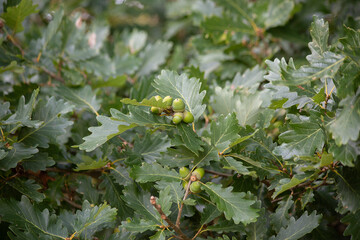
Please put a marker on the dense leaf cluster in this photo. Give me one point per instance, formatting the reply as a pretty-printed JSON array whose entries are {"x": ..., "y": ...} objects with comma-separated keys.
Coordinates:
[{"x": 273, "y": 88}]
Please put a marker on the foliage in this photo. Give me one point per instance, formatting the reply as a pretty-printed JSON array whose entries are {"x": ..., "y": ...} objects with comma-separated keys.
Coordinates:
[{"x": 273, "y": 88}]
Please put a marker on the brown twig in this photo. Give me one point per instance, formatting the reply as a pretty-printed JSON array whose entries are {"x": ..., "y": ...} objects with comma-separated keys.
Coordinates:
[
  {"x": 182, "y": 203},
  {"x": 72, "y": 203},
  {"x": 219, "y": 173},
  {"x": 164, "y": 217},
  {"x": 53, "y": 75}
]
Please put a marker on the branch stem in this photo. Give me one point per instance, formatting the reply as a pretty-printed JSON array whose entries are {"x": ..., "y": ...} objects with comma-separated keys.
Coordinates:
[
  {"x": 187, "y": 192},
  {"x": 164, "y": 217}
]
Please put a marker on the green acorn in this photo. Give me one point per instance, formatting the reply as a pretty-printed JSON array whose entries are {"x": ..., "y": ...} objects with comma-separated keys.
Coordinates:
[
  {"x": 195, "y": 187},
  {"x": 177, "y": 118},
  {"x": 178, "y": 105},
  {"x": 168, "y": 101},
  {"x": 188, "y": 117},
  {"x": 198, "y": 173}
]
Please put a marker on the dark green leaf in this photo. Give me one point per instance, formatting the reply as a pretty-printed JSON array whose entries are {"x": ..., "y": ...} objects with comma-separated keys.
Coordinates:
[
  {"x": 231, "y": 203},
  {"x": 281, "y": 216},
  {"x": 353, "y": 229},
  {"x": 303, "y": 139},
  {"x": 89, "y": 220},
  {"x": 53, "y": 124},
  {"x": 153, "y": 56},
  {"x": 14, "y": 16},
  {"x": 298, "y": 228},
  {"x": 26, "y": 216},
  {"x": 346, "y": 125},
  {"x": 109, "y": 129},
  {"x": 190, "y": 138},
  {"x": 17, "y": 153},
  {"x": 28, "y": 188},
  {"x": 153, "y": 172},
  {"x": 82, "y": 97}
]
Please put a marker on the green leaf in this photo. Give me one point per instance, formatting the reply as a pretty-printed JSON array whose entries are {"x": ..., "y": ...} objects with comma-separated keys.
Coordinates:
[
  {"x": 13, "y": 67},
  {"x": 210, "y": 213},
  {"x": 176, "y": 190},
  {"x": 139, "y": 225},
  {"x": 224, "y": 226},
  {"x": 352, "y": 44},
  {"x": 353, "y": 229},
  {"x": 90, "y": 164},
  {"x": 258, "y": 229},
  {"x": 298, "y": 228},
  {"x": 347, "y": 84},
  {"x": 148, "y": 148},
  {"x": 90, "y": 219},
  {"x": 153, "y": 56},
  {"x": 160, "y": 235},
  {"x": 221, "y": 27},
  {"x": 82, "y": 97},
  {"x": 28, "y": 217},
  {"x": 14, "y": 16},
  {"x": 53, "y": 27},
  {"x": 224, "y": 131},
  {"x": 231, "y": 163},
  {"x": 17, "y": 153},
  {"x": 87, "y": 189},
  {"x": 28, "y": 188},
  {"x": 248, "y": 107},
  {"x": 38, "y": 162},
  {"x": 278, "y": 13},
  {"x": 22, "y": 116},
  {"x": 113, "y": 195},
  {"x": 136, "y": 41},
  {"x": 53, "y": 124},
  {"x": 145, "y": 102},
  {"x": 140, "y": 202},
  {"x": 180, "y": 86},
  {"x": 99, "y": 135},
  {"x": 121, "y": 175},
  {"x": 281, "y": 216},
  {"x": 153, "y": 172},
  {"x": 248, "y": 160},
  {"x": 323, "y": 63},
  {"x": 118, "y": 81},
  {"x": 190, "y": 138},
  {"x": 224, "y": 101},
  {"x": 304, "y": 138},
  {"x": 286, "y": 184},
  {"x": 141, "y": 117},
  {"x": 242, "y": 139},
  {"x": 165, "y": 200},
  {"x": 231, "y": 203},
  {"x": 346, "y": 154},
  {"x": 346, "y": 125},
  {"x": 249, "y": 80},
  {"x": 348, "y": 188}
]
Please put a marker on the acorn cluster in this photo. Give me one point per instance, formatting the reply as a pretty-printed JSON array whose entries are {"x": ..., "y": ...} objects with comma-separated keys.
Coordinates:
[
  {"x": 195, "y": 176},
  {"x": 175, "y": 108}
]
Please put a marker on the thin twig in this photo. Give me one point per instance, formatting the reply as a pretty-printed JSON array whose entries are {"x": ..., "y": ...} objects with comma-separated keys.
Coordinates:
[
  {"x": 72, "y": 203},
  {"x": 182, "y": 204},
  {"x": 164, "y": 217},
  {"x": 53, "y": 75},
  {"x": 219, "y": 173},
  {"x": 198, "y": 232}
]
